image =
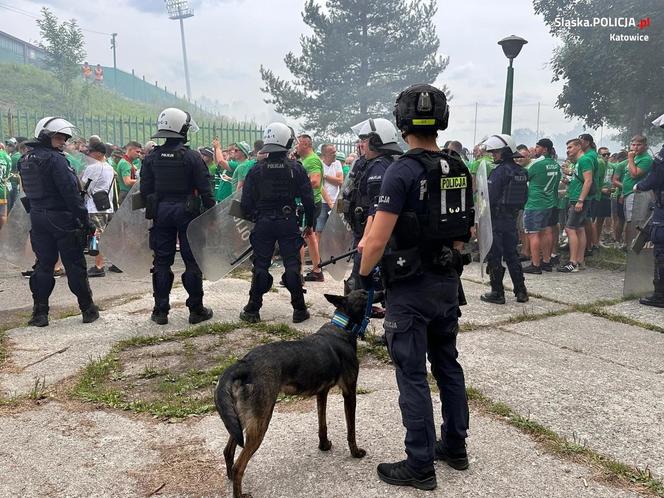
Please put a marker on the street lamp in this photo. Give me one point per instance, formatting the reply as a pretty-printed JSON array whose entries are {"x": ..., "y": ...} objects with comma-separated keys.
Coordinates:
[
  {"x": 180, "y": 9},
  {"x": 511, "y": 45}
]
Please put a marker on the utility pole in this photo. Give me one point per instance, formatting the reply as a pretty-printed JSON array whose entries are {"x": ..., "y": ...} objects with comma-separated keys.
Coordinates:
[{"x": 115, "y": 64}]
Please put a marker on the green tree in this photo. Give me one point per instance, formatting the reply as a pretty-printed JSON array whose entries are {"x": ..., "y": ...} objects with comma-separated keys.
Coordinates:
[
  {"x": 607, "y": 82},
  {"x": 360, "y": 55},
  {"x": 64, "y": 44}
]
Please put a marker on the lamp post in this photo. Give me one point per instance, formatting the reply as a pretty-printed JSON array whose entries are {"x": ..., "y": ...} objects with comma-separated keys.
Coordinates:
[
  {"x": 511, "y": 45},
  {"x": 115, "y": 64},
  {"x": 180, "y": 10}
]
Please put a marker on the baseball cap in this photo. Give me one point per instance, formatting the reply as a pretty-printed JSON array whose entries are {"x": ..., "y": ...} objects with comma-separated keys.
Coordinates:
[
  {"x": 206, "y": 151},
  {"x": 244, "y": 147},
  {"x": 546, "y": 143},
  {"x": 10, "y": 141}
]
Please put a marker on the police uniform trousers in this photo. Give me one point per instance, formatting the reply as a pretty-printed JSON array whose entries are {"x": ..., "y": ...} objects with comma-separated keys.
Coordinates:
[
  {"x": 56, "y": 232},
  {"x": 505, "y": 240},
  {"x": 422, "y": 320},
  {"x": 169, "y": 227},
  {"x": 269, "y": 230},
  {"x": 657, "y": 237}
]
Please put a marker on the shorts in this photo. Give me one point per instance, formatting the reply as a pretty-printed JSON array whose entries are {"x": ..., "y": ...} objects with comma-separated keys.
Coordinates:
[
  {"x": 617, "y": 209},
  {"x": 589, "y": 204},
  {"x": 322, "y": 218},
  {"x": 576, "y": 221},
  {"x": 100, "y": 220},
  {"x": 628, "y": 206},
  {"x": 602, "y": 208},
  {"x": 554, "y": 217},
  {"x": 536, "y": 220}
]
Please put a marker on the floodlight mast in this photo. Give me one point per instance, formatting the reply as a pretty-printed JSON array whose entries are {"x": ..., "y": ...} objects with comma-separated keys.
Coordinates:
[{"x": 180, "y": 10}]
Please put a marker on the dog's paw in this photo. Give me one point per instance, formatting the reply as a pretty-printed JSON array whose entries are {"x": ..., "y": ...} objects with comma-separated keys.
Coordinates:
[
  {"x": 325, "y": 445},
  {"x": 358, "y": 453}
]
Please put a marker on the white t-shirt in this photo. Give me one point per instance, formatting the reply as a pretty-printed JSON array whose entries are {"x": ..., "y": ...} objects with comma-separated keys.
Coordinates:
[
  {"x": 332, "y": 170},
  {"x": 101, "y": 175}
]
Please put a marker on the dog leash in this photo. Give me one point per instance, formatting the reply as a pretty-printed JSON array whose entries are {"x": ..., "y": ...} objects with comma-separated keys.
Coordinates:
[{"x": 361, "y": 328}]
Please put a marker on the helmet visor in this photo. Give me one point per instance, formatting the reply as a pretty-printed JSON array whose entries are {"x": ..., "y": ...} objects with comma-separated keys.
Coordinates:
[
  {"x": 659, "y": 121},
  {"x": 193, "y": 127},
  {"x": 358, "y": 128}
]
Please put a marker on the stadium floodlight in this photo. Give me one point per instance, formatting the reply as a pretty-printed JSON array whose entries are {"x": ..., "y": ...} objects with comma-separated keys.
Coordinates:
[{"x": 180, "y": 10}]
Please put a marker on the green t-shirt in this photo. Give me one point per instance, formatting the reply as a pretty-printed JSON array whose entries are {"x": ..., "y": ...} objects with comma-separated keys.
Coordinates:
[
  {"x": 240, "y": 172},
  {"x": 223, "y": 188},
  {"x": 644, "y": 163},
  {"x": 543, "y": 179},
  {"x": 5, "y": 169},
  {"x": 124, "y": 168},
  {"x": 584, "y": 163},
  {"x": 312, "y": 164},
  {"x": 619, "y": 171},
  {"x": 486, "y": 160},
  {"x": 599, "y": 179},
  {"x": 608, "y": 180},
  {"x": 76, "y": 163}
]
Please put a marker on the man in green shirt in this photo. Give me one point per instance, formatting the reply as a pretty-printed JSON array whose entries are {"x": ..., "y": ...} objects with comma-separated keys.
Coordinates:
[
  {"x": 543, "y": 178},
  {"x": 126, "y": 169},
  {"x": 637, "y": 166},
  {"x": 602, "y": 208},
  {"x": 314, "y": 168},
  {"x": 617, "y": 200},
  {"x": 577, "y": 190},
  {"x": 590, "y": 151},
  {"x": 241, "y": 151},
  {"x": 5, "y": 170}
]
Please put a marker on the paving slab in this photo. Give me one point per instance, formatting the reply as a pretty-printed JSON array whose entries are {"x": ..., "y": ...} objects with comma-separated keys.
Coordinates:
[
  {"x": 597, "y": 382},
  {"x": 638, "y": 312},
  {"x": 584, "y": 287},
  {"x": 70, "y": 450}
]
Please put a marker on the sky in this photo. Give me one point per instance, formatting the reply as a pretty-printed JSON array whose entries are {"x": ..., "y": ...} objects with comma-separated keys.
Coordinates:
[{"x": 228, "y": 40}]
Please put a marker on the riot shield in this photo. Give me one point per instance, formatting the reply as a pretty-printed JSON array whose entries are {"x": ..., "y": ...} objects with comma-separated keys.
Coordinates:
[
  {"x": 125, "y": 241},
  {"x": 640, "y": 265},
  {"x": 219, "y": 241},
  {"x": 15, "y": 245},
  {"x": 336, "y": 239},
  {"x": 483, "y": 214}
]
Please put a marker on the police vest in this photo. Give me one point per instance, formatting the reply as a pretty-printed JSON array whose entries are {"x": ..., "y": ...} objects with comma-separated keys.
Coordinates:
[
  {"x": 448, "y": 192},
  {"x": 515, "y": 194},
  {"x": 275, "y": 186},
  {"x": 171, "y": 176},
  {"x": 355, "y": 200},
  {"x": 31, "y": 167}
]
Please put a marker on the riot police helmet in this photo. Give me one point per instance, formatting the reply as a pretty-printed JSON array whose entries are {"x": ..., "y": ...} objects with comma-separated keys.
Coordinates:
[
  {"x": 381, "y": 135},
  {"x": 659, "y": 121},
  {"x": 421, "y": 108},
  {"x": 174, "y": 123},
  {"x": 277, "y": 137},
  {"x": 501, "y": 142},
  {"x": 49, "y": 126}
]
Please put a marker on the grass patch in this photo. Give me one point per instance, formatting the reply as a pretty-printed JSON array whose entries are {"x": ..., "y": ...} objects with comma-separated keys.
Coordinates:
[
  {"x": 608, "y": 258},
  {"x": 373, "y": 347},
  {"x": 598, "y": 311},
  {"x": 172, "y": 376},
  {"x": 611, "y": 470}
]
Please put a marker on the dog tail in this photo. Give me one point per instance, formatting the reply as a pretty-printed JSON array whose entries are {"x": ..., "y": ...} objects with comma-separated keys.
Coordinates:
[{"x": 225, "y": 402}]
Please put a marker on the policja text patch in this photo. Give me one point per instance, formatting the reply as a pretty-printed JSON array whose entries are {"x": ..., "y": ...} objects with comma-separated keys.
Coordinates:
[{"x": 448, "y": 183}]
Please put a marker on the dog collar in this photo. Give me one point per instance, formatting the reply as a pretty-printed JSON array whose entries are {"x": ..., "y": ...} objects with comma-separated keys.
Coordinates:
[{"x": 340, "y": 320}]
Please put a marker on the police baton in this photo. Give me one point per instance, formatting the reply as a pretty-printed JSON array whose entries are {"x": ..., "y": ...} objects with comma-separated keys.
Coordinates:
[{"x": 334, "y": 259}]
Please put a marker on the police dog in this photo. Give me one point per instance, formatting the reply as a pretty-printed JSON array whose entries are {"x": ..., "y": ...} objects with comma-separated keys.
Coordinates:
[{"x": 247, "y": 391}]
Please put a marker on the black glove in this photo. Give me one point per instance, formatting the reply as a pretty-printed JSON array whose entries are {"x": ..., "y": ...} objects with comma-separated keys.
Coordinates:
[{"x": 368, "y": 282}]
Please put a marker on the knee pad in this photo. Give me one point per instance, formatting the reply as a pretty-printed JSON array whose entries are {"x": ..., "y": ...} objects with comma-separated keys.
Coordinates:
[
  {"x": 261, "y": 281},
  {"x": 293, "y": 281}
]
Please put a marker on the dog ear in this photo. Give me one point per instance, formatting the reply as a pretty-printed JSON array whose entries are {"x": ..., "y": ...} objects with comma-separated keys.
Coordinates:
[
  {"x": 378, "y": 296},
  {"x": 339, "y": 302}
]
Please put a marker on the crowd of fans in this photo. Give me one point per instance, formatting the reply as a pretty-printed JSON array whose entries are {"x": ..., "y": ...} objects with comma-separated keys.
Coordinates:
[{"x": 546, "y": 226}]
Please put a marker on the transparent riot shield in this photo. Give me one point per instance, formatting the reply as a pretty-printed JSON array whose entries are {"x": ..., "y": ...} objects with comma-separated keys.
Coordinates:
[
  {"x": 125, "y": 241},
  {"x": 483, "y": 213},
  {"x": 335, "y": 240},
  {"x": 640, "y": 266},
  {"x": 15, "y": 245},
  {"x": 218, "y": 240}
]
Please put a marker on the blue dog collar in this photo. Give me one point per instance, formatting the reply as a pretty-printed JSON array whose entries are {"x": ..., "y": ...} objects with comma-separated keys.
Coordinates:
[{"x": 340, "y": 320}]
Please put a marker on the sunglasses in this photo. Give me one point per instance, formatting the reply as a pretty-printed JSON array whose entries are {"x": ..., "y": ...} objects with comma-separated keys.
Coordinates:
[{"x": 605, "y": 154}]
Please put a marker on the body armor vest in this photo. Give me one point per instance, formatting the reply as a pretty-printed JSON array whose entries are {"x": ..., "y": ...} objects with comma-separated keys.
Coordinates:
[
  {"x": 275, "y": 187},
  {"x": 515, "y": 194},
  {"x": 171, "y": 176},
  {"x": 32, "y": 169}
]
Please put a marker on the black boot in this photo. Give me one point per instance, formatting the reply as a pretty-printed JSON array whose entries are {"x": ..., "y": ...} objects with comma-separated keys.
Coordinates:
[
  {"x": 200, "y": 314},
  {"x": 250, "y": 313},
  {"x": 497, "y": 294},
  {"x": 521, "y": 294},
  {"x": 456, "y": 458},
  {"x": 656, "y": 299},
  {"x": 159, "y": 316},
  {"x": 90, "y": 314},
  {"x": 39, "y": 315},
  {"x": 400, "y": 474},
  {"x": 300, "y": 315}
]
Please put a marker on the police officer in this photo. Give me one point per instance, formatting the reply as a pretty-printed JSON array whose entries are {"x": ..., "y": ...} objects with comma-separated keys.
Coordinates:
[
  {"x": 379, "y": 138},
  {"x": 175, "y": 185},
  {"x": 59, "y": 219},
  {"x": 508, "y": 192},
  {"x": 424, "y": 214},
  {"x": 269, "y": 197},
  {"x": 655, "y": 182}
]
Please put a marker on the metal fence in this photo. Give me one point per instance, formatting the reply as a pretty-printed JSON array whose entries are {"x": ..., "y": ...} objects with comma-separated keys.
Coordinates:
[{"x": 119, "y": 130}]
